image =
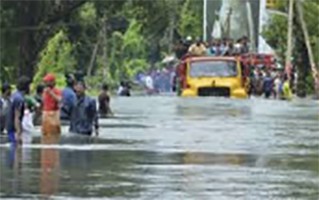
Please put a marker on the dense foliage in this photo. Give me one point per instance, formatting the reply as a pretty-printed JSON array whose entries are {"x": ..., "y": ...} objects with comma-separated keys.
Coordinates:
[
  {"x": 276, "y": 35},
  {"x": 26, "y": 27},
  {"x": 105, "y": 39}
]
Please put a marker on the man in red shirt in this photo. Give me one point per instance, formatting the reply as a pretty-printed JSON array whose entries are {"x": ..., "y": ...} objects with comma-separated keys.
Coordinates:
[{"x": 51, "y": 107}]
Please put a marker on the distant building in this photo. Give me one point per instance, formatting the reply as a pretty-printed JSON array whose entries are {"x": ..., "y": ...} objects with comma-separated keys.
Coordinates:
[{"x": 234, "y": 13}]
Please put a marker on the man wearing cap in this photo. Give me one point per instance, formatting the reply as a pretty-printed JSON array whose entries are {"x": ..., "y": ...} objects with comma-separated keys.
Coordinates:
[
  {"x": 83, "y": 115},
  {"x": 4, "y": 105},
  {"x": 51, "y": 107}
]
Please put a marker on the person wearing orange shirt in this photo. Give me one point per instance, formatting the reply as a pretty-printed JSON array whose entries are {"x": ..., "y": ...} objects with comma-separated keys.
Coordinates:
[{"x": 51, "y": 107}]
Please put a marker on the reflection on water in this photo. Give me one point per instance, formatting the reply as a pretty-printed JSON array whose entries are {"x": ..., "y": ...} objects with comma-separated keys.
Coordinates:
[
  {"x": 50, "y": 166},
  {"x": 15, "y": 163},
  {"x": 200, "y": 148}
]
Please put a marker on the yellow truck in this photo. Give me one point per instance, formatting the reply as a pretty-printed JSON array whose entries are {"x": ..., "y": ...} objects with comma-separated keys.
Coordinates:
[{"x": 211, "y": 76}]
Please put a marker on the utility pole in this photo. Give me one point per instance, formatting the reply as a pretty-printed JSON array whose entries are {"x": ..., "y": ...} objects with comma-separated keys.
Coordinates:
[
  {"x": 289, "y": 39},
  {"x": 251, "y": 27},
  {"x": 205, "y": 21}
]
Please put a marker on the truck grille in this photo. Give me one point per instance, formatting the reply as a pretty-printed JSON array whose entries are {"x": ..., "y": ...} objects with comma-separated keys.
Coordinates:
[{"x": 214, "y": 91}]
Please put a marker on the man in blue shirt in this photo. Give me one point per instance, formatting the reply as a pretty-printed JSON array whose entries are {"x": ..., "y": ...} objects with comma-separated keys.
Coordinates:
[
  {"x": 68, "y": 97},
  {"x": 16, "y": 110},
  {"x": 83, "y": 113}
]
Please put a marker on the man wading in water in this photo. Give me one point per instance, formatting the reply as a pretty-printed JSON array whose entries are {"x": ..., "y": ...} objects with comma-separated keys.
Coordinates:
[
  {"x": 68, "y": 97},
  {"x": 83, "y": 113},
  {"x": 51, "y": 103},
  {"x": 104, "y": 102},
  {"x": 16, "y": 111}
]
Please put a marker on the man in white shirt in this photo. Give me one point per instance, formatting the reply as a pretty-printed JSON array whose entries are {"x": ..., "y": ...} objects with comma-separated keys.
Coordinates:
[
  {"x": 149, "y": 83},
  {"x": 27, "y": 120}
]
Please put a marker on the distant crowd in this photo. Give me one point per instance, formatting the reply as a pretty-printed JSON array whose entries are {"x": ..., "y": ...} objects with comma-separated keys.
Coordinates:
[
  {"x": 157, "y": 81},
  {"x": 270, "y": 83}
]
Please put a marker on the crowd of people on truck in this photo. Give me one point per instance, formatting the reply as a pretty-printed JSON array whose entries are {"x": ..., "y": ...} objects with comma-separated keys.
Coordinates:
[
  {"x": 217, "y": 47},
  {"x": 21, "y": 111}
]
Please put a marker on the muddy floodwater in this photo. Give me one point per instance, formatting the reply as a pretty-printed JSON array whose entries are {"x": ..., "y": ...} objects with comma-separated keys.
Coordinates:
[{"x": 173, "y": 148}]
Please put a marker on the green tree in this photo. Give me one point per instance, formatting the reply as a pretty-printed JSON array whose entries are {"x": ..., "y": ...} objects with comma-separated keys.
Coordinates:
[
  {"x": 191, "y": 19},
  {"x": 128, "y": 53},
  {"x": 153, "y": 25},
  {"x": 55, "y": 58},
  {"x": 276, "y": 35},
  {"x": 25, "y": 27},
  {"x": 311, "y": 10}
]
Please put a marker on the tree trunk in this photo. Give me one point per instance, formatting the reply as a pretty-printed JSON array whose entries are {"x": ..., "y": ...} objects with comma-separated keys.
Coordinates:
[
  {"x": 291, "y": 17},
  {"x": 27, "y": 44},
  {"x": 104, "y": 32},
  {"x": 302, "y": 64},
  {"x": 90, "y": 68},
  {"x": 306, "y": 36}
]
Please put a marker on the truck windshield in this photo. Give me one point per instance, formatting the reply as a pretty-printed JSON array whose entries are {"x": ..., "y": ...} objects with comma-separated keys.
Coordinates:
[{"x": 213, "y": 69}]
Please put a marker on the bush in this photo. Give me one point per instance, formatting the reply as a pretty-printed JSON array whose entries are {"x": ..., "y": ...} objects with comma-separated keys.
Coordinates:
[{"x": 310, "y": 84}]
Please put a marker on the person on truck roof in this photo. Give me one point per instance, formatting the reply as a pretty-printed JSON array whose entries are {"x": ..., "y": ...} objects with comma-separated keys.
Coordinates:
[
  {"x": 211, "y": 48},
  {"x": 181, "y": 49},
  {"x": 198, "y": 48},
  {"x": 229, "y": 50},
  {"x": 244, "y": 44}
]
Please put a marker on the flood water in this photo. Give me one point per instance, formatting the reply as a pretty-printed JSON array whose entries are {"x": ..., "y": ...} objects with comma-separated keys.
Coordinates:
[{"x": 174, "y": 148}]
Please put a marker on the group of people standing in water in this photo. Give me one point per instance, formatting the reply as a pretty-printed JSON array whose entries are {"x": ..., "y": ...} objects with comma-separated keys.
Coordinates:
[{"x": 20, "y": 111}]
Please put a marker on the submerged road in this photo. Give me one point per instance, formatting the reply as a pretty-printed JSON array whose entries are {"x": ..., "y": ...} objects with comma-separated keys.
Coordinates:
[{"x": 174, "y": 148}]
